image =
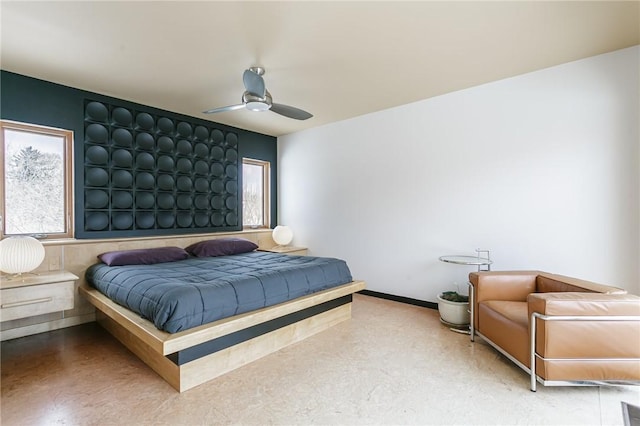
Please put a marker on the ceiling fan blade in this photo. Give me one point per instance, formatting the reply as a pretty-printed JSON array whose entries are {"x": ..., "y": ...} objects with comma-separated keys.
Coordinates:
[
  {"x": 291, "y": 112},
  {"x": 254, "y": 83},
  {"x": 223, "y": 109}
]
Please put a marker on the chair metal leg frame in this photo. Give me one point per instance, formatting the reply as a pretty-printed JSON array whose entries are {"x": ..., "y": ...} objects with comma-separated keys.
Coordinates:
[
  {"x": 534, "y": 354},
  {"x": 503, "y": 352},
  {"x": 472, "y": 329}
]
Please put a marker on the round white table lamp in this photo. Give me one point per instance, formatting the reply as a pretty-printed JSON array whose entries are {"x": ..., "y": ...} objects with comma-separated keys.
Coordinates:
[
  {"x": 282, "y": 235},
  {"x": 20, "y": 254}
]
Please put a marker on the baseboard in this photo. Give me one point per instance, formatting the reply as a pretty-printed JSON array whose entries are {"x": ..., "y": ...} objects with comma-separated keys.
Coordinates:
[{"x": 401, "y": 299}]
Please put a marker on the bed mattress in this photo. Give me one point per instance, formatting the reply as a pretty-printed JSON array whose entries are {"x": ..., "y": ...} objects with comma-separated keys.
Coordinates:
[{"x": 176, "y": 296}]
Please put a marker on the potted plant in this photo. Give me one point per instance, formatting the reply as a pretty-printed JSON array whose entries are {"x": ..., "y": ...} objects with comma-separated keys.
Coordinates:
[{"x": 453, "y": 308}]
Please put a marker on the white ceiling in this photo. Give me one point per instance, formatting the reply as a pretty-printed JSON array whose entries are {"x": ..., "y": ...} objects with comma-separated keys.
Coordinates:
[{"x": 336, "y": 60}]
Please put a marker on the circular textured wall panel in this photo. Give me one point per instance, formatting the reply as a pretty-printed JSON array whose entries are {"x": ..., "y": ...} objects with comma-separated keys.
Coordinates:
[
  {"x": 201, "y": 150},
  {"x": 165, "y": 144},
  {"x": 122, "y": 179},
  {"x": 231, "y": 202},
  {"x": 145, "y": 200},
  {"x": 96, "y": 221},
  {"x": 165, "y": 201},
  {"x": 232, "y": 171},
  {"x": 145, "y": 180},
  {"x": 184, "y": 165},
  {"x": 184, "y": 183},
  {"x": 165, "y": 125},
  {"x": 165, "y": 163},
  {"x": 184, "y": 219},
  {"x": 166, "y": 219},
  {"x": 165, "y": 182},
  {"x": 201, "y": 219},
  {"x": 217, "y": 219},
  {"x": 217, "y": 136},
  {"x": 97, "y": 133},
  {"x": 145, "y": 121},
  {"x": 122, "y": 117},
  {"x": 232, "y": 140},
  {"x": 96, "y": 199},
  {"x": 184, "y": 201},
  {"x": 121, "y": 199},
  {"x": 201, "y": 202},
  {"x": 217, "y": 202},
  {"x": 217, "y": 186},
  {"x": 232, "y": 186},
  {"x": 201, "y": 185},
  {"x": 122, "y": 137},
  {"x": 217, "y": 169},
  {"x": 122, "y": 220},
  {"x": 97, "y": 155},
  {"x": 145, "y": 141},
  {"x": 184, "y": 129},
  {"x": 96, "y": 111},
  {"x": 122, "y": 158},
  {"x": 184, "y": 147},
  {"x": 145, "y": 220},
  {"x": 202, "y": 167},
  {"x": 144, "y": 160},
  {"x": 231, "y": 219},
  {"x": 95, "y": 176},
  {"x": 231, "y": 155},
  {"x": 217, "y": 153},
  {"x": 201, "y": 133}
]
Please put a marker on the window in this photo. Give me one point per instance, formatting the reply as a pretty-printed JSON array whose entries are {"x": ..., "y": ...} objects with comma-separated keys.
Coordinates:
[
  {"x": 255, "y": 193},
  {"x": 36, "y": 188}
]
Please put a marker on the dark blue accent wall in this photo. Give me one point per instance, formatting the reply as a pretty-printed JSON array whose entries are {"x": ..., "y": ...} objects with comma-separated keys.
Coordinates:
[{"x": 29, "y": 100}]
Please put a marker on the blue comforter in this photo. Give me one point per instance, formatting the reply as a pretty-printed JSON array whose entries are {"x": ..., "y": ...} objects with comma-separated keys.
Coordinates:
[{"x": 180, "y": 295}]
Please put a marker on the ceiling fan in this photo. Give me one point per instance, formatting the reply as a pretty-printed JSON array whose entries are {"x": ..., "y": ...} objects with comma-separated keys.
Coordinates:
[{"x": 257, "y": 98}]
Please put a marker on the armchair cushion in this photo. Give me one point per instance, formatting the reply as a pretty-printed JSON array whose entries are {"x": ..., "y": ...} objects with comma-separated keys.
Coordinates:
[{"x": 502, "y": 285}]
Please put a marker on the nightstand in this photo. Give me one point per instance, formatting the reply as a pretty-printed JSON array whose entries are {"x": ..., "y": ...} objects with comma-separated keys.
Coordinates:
[
  {"x": 290, "y": 250},
  {"x": 32, "y": 295}
]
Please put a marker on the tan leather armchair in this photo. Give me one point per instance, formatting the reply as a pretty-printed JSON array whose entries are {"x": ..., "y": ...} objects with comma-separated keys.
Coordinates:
[{"x": 573, "y": 332}]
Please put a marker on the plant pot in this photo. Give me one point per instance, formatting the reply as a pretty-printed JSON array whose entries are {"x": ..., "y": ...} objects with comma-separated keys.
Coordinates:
[{"x": 455, "y": 313}]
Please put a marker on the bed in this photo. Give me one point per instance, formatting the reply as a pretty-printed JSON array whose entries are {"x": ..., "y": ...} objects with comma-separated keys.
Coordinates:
[{"x": 235, "y": 309}]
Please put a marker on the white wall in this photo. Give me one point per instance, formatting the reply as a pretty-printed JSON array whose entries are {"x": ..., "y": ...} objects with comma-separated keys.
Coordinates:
[{"x": 542, "y": 169}]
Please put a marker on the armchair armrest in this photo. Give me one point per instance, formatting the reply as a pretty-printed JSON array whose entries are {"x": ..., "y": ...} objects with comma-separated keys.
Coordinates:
[
  {"x": 578, "y": 303},
  {"x": 584, "y": 335}
]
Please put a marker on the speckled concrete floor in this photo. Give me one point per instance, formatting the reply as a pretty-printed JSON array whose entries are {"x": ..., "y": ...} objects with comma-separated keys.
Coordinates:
[{"x": 391, "y": 364}]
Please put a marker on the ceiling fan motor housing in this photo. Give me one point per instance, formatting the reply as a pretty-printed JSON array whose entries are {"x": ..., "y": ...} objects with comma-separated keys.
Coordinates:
[{"x": 256, "y": 103}]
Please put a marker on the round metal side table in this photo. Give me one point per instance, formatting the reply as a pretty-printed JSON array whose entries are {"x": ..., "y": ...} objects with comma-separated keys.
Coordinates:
[{"x": 483, "y": 261}]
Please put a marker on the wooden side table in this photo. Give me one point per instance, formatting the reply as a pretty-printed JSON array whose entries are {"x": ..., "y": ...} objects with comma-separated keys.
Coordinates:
[
  {"x": 290, "y": 250},
  {"x": 32, "y": 295}
]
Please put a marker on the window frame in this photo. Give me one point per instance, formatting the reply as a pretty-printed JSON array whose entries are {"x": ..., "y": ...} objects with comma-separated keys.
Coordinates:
[
  {"x": 266, "y": 191},
  {"x": 67, "y": 137}
]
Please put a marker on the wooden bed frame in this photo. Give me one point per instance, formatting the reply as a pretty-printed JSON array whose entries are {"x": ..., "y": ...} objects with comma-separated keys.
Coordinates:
[{"x": 192, "y": 357}]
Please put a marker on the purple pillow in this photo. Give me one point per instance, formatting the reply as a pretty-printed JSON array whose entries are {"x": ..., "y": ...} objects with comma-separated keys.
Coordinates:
[
  {"x": 221, "y": 247},
  {"x": 143, "y": 256}
]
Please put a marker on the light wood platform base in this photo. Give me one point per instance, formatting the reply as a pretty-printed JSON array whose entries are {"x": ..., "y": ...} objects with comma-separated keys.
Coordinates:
[{"x": 161, "y": 351}]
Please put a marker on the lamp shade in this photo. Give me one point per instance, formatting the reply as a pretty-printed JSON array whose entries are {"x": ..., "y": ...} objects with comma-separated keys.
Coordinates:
[
  {"x": 282, "y": 235},
  {"x": 20, "y": 254}
]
